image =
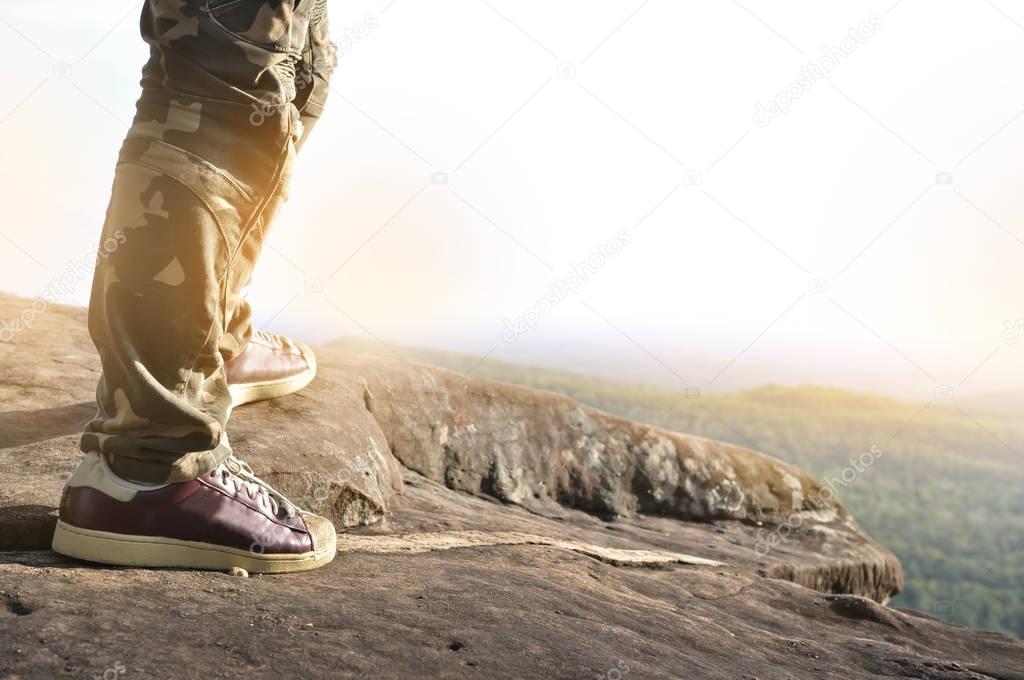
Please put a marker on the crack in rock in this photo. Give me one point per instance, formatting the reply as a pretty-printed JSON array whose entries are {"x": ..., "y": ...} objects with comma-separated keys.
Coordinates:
[{"x": 451, "y": 540}]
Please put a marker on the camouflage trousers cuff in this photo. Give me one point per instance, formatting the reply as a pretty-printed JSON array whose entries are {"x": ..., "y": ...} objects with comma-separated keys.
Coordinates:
[{"x": 156, "y": 469}]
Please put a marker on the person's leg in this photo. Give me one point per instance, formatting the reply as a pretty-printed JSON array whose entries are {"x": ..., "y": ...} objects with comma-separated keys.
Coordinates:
[
  {"x": 313, "y": 76},
  {"x": 203, "y": 169},
  {"x": 268, "y": 365}
]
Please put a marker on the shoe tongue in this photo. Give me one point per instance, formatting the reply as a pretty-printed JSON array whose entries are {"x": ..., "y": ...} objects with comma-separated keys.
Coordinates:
[{"x": 246, "y": 475}]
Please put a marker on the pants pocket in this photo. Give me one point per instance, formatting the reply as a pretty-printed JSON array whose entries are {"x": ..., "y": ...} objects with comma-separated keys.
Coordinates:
[{"x": 275, "y": 25}]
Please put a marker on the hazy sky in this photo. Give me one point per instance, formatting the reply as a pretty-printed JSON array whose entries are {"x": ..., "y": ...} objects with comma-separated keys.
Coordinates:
[{"x": 808, "y": 192}]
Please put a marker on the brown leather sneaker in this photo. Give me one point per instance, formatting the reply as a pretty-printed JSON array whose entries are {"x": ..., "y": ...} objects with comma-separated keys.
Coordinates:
[
  {"x": 270, "y": 366},
  {"x": 226, "y": 518}
]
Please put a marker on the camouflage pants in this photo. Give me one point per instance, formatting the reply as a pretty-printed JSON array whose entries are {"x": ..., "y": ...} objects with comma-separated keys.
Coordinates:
[{"x": 229, "y": 93}]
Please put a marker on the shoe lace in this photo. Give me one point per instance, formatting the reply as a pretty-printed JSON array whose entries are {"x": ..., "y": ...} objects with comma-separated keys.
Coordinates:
[
  {"x": 267, "y": 338},
  {"x": 242, "y": 476}
]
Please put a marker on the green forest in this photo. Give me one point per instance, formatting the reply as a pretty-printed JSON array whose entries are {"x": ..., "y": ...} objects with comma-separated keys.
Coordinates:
[{"x": 946, "y": 495}]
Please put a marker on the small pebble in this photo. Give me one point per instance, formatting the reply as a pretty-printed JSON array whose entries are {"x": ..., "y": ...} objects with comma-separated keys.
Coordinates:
[{"x": 238, "y": 571}]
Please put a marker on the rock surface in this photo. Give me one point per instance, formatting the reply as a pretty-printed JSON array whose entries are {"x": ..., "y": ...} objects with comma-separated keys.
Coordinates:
[{"x": 492, "y": 531}]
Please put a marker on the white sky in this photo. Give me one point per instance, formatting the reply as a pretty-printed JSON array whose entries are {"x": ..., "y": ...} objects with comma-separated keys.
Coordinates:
[{"x": 714, "y": 288}]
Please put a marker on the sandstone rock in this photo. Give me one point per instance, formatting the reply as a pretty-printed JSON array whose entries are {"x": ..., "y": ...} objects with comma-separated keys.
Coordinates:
[
  {"x": 527, "y": 447},
  {"x": 473, "y": 609},
  {"x": 491, "y": 531}
]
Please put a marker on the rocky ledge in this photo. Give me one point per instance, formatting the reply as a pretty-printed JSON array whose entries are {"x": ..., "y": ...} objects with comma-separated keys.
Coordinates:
[{"x": 489, "y": 530}]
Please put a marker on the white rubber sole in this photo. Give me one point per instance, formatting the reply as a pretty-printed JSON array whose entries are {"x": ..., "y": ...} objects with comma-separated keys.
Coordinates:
[
  {"x": 153, "y": 551},
  {"x": 247, "y": 393}
]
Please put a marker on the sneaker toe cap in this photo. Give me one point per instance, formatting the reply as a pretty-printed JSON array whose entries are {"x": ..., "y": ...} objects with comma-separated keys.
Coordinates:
[{"x": 322, "y": 532}]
